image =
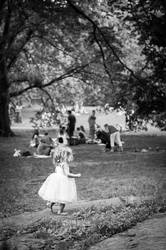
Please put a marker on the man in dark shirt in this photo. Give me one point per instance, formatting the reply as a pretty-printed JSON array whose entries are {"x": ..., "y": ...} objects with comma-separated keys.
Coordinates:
[
  {"x": 71, "y": 124},
  {"x": 114, "y": 136}
]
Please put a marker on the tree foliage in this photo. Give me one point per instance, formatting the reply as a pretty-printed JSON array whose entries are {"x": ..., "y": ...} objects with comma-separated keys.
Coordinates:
[
  {"x": 149, "y": 21},
  {"x": 110, "y": 51}
]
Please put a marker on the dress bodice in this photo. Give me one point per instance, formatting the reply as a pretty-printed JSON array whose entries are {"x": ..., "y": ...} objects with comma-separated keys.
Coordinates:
[{"x": 62, "y": 168}]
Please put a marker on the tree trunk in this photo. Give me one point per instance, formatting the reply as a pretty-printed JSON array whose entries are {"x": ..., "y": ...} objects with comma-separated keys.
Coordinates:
[{"x": 5, "y": 129}]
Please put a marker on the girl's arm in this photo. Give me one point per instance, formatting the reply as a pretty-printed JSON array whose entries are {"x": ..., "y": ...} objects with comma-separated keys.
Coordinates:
[{"x": 70, "y": 175}]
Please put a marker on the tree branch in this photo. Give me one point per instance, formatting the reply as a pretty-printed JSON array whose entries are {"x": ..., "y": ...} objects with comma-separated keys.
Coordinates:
[
  {"x": 15, "y": 56},
  {"x": 103, "y": 55},
  {"x": 55, "y": 46},
  {"x": 79, "y": 11},
  {"x": 48, "y": 94},
  {"x": 70, "y": 73}
]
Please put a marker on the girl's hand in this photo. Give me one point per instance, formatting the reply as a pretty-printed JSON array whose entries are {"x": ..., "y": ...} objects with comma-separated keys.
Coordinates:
[{"x": 79, "y": 175}]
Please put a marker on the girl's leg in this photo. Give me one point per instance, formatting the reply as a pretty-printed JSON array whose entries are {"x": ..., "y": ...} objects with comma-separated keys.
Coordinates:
[
  {"x": 62, "y": 206},
  {"x": 52, "y": 204}
]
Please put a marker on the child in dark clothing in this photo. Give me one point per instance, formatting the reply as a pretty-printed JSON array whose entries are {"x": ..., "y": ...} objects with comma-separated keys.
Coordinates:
[
  {"x": 35, "y": 139},
  {"x": 81, "y": 135}
]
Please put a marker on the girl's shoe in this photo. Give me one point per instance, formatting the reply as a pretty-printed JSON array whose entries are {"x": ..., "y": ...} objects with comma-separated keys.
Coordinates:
[{"x": 61, "y": 213}]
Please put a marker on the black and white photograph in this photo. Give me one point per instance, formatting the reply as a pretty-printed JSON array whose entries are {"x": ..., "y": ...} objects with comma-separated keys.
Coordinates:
[{"x": 82, "y": 124}]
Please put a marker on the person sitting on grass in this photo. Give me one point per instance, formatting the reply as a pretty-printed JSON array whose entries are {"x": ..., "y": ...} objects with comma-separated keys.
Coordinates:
[
  {"x": 81, "y": 136},
  {"x": 60, "y": 187},
  {"x": 82, "y": 129},
  {"x": 47, "y": 139},
  {"x": 46, "y": 144},
  {"x": 35, "y": 139},
  {"x": 62, "y": 133}
]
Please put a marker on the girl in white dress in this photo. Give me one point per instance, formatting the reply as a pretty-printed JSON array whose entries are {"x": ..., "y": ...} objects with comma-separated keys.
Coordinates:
[{"x": 60, "y": 187}]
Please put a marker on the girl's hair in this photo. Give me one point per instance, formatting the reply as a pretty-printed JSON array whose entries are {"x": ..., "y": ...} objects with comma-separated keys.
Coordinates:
[{"x": 62, "y": 154}]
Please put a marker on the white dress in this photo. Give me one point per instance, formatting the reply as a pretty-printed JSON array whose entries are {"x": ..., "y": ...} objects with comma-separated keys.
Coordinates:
[{"x": 58, "y": 187}]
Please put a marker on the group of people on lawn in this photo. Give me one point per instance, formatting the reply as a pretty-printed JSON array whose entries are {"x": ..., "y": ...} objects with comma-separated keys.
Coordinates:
[{"x": 109, "y": 135}]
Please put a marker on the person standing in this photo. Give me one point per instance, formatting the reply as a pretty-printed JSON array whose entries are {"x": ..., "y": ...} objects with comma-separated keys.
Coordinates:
[
  {"x": 114, "y": 137},
  {"x": 18, "y": 112},
  {"x": 71, "y": 124},
  {"x": 92, "y": 123},
  {"x": 60, "y": 187}
]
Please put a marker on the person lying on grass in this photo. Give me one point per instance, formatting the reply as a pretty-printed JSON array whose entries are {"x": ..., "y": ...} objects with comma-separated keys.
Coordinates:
[{"x": 60, "y": 186}]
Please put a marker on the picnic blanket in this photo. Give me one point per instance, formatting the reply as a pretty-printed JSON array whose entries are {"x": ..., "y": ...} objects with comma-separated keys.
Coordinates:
[
  {"x": 41, "y": 156},
  {"x": 27, "y": 154}
]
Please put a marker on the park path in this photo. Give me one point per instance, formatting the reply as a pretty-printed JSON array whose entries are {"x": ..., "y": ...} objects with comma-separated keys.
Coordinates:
[
  {"x": 28, "y": 218},
  {"x": 147, "y": 235},
  {"x": 27, "y": 221}
]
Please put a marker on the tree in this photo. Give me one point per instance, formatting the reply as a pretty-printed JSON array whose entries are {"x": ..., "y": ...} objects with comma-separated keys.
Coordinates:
[
  {"x": 146, "y": 88},
  {"x": 22, "y": 23},
  {"x": 149, "y": 21},
  {"x": 42, "y": 43},
  {"x": 99, "y": 43}
]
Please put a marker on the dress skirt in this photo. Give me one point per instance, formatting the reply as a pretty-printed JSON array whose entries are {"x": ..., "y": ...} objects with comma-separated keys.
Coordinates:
[{"x": 58, "y": 188}]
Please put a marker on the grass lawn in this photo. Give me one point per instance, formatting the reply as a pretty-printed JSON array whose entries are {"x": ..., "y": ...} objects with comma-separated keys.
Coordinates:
[{"x": 104, "y": 175}]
